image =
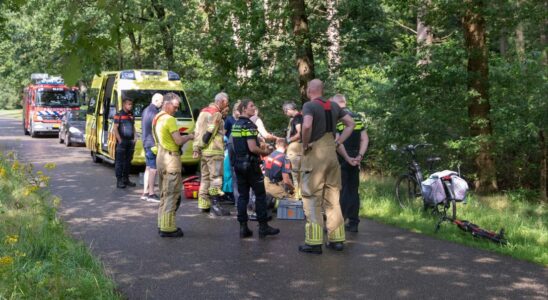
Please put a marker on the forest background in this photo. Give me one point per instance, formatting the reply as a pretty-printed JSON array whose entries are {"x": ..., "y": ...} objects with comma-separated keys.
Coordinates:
[{"x": 467, "y": 76}]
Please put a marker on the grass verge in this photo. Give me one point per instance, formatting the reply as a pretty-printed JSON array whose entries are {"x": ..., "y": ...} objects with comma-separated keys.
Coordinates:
[
  {"x": 525, "y": 223},
  {"x": 11, "y": 113},
  {"x": 38, "y": 260}
]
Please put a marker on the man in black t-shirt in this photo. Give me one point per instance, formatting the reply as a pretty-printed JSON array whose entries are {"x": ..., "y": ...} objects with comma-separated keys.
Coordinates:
[
  {"x": 124, "y": 131},
  {"x": 295, "y": 146},
  {"x": 321, "y": 173}
]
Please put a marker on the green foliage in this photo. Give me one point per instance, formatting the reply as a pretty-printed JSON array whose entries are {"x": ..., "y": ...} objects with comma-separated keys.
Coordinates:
[
  {"x": 525, "y": 223},
  {"x": 247, "y": 49},
  {"x": 37, "y": 259}
]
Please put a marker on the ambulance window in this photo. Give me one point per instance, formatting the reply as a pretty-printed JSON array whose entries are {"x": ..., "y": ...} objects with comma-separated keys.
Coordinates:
[
  {"x": 141, "y": 99},
  {"x": 92, "y": 103}
]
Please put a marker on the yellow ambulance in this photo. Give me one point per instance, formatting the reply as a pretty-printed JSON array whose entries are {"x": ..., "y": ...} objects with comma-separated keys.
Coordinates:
[{"x": 104, "y": 100}]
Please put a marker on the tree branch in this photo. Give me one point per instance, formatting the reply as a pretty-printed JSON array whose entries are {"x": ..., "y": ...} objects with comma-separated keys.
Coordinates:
[{"x": 402, "y": 25}]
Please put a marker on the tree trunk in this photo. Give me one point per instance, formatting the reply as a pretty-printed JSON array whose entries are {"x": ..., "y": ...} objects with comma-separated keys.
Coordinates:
[
  {"x": 119, "y": 49},
  {"x": 479, "y": 107},
  {"x": 543, "y": 166},
  {"x": 136, "y": 48},
  {"x": 424, "y": 36},
  {"x": 520, "y": 41},
  {"x": 303, "y": 46},
  {"x": 165, "y": 30},
  {"x": 543, "y": 38},
  {"x": 333, "y": 38},
  {"x": 503, "y": 44}
]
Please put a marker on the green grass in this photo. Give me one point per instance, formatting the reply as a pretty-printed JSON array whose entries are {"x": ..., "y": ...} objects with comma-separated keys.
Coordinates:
[
  {"x": 525, "y": 222},
  {"x": 38, "y": 260},
  {"x": 11, "y": 113}
]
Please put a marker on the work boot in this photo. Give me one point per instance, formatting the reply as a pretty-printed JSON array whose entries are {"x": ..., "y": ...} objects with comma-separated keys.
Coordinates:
[
  {"x": 205, "y": 210},
  {"x": 129, "y": 183},
  {"x": 175, "y": 234},
  {"x": 120, "y": 184},
  {"x": 265, "y": 229},
  {"x": 312, "y": 249},
  {"x": 337, "y": 246},
  {"x": 245, "y": 232},
  {"x": 218, "y": 209},
  {"x": 351, "y": 227}
]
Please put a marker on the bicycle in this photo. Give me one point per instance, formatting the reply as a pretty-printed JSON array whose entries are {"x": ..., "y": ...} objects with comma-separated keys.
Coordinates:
[{"x": 408, "y": 186}]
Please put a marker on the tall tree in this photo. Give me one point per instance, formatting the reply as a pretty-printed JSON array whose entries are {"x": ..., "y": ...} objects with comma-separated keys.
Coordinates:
[
  {"x": 479, "y": 107},
  {"x": 333, "y": 38},
  {"x": 303, "y": 45},
  {"x": 425, "y": 37},
  {"x": 166, "y": 31}
]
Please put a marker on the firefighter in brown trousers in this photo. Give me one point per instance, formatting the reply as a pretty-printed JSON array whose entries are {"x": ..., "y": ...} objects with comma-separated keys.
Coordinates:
[
  {"x": 209, "y": 144},
  {"x": 168, "y": 162},
  {"x": 321, "y": 172},
  {"x": 295, "y": 147}
]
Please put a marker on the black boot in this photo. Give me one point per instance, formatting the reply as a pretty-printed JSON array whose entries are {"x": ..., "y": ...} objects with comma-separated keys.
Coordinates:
[
  {"x": 174, "y": 234},
  {"x": 312, "y": 249},
  {"x": 265, "y": 229},
  {"x": 218, "y": 209},
  {"x": 120, "y": 184},
  {"x": 351, "y": 227},
  {"x": 337, "y": 246},
  {"x": 129, "y": 183},
  {"x": 245, "y": 232}
]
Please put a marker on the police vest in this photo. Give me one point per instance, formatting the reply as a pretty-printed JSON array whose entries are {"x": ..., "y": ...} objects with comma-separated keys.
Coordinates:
[{"x": 352, "y": 144}]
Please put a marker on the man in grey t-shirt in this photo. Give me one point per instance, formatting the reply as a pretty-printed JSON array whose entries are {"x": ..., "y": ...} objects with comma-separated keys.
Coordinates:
[
  {"x": 148, "y": 142},
  {"x": 321, "y": 172}
]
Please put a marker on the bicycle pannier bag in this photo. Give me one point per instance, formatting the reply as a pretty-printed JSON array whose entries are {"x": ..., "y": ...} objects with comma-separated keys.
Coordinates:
[{"x": 432, "y": 191}]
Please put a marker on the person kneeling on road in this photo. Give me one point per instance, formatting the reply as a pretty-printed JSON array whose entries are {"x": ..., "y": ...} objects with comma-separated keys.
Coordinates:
[
  {"x": 278, "y": 182},
  {"x": 248, "y": 171},
  {"x": 168, "y": 161}
]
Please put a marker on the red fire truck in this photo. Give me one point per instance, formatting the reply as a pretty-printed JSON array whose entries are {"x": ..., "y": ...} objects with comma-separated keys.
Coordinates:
[{"x": 45, "y": 102}]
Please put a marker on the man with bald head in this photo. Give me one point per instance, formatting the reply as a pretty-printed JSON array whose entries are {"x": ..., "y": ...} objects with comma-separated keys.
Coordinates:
[{"x": 320, "y": 169}]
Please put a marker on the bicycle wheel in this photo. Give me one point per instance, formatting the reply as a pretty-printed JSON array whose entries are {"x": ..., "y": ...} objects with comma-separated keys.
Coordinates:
[{"x": 408, "y": 192}]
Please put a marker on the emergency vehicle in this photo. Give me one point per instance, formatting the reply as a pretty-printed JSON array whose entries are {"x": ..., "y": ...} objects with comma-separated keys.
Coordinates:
[
  {"x": 45, "y": 102},
  {"x": 105, "y": 99}
]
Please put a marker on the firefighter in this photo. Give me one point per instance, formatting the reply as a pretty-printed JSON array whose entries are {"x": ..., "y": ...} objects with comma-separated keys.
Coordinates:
[
  {"x": 209, "y": 144},
  {"x": 247, "y": 154},
  {"x": 321, "y": 172},
  {"x": 278, "y": 182},
  {"x": 124, "y": 131},
  {"x": 168, "y": 162},
  {"x": 295, "y": 147},
  {"x": 350, "y": 155}
]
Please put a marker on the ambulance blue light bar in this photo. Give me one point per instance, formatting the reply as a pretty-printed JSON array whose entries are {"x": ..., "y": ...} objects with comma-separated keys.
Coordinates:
[
  {"x": 173, "y": 76},
  {"x": 130, "y": 75}
]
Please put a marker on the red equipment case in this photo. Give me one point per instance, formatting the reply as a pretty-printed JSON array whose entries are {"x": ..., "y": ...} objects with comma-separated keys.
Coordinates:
[{"x": 191, "y": 186}]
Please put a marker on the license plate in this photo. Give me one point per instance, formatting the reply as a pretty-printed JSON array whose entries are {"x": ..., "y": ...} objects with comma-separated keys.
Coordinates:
[{"x": 56, "y": 126}]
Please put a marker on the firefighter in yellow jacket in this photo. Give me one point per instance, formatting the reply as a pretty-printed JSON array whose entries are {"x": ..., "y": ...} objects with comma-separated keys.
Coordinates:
[
  {"x": 168, "y": 161},
  {"x": 208, "y": 143}
]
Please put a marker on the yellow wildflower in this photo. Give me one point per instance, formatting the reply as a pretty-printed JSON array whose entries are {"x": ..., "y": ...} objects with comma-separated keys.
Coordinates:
[
  {"x": 15, "y": 166},
  {"x": 6, "y": 260},
  {"x": 49, "y": 166},
  {"x": 11, "y": 239},
  {"x": 2, "y": 172}
]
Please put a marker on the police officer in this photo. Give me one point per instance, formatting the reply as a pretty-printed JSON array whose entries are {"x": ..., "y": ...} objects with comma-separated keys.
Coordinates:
[
  {"x": 209, "y": 145},
  {"x": 278, "y": 182},
  {"x": 321, "y": 173},
  {"x": 293, "y": 139},
  {"x": 168, "y": 162},
  {"x": 248, "y": 172},
  {"x": 124, "y": 131},
  {"x": 350, "y": 155}
]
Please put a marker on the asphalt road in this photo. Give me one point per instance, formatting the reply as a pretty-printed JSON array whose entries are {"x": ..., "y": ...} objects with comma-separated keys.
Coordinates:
[{"x": 211, "y": 262}]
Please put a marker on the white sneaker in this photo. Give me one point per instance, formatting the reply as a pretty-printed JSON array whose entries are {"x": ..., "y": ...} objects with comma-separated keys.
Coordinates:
[
  {"x": 144, "y": 198},
  {"x": 153, "y": 198}
]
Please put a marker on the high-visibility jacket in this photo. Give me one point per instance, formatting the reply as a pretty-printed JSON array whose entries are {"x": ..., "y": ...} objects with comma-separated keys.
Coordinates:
[{"x": 210, "y": 123}]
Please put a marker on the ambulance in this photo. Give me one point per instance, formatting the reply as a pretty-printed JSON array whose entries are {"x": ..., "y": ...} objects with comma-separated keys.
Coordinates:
[
  {"x": 104, "y": 100},
  {"x": 45, "y": 102}
]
